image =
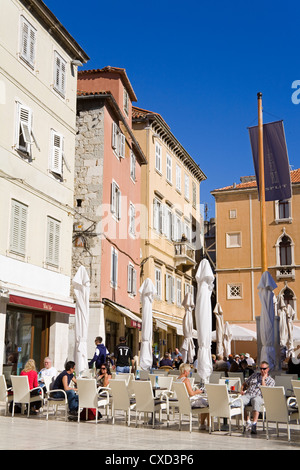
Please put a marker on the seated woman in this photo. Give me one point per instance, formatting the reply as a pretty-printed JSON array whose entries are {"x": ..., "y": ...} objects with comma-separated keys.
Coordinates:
[
  {"x": 196, "y": 400},
  {"x": 104, "y": 376},
  {"x": 30, "y": 371}
]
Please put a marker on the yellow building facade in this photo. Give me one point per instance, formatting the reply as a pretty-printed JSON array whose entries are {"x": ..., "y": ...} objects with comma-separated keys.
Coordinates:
[
  {"x": 238, "y": 248},
  {"x": 171, "y": 227}
]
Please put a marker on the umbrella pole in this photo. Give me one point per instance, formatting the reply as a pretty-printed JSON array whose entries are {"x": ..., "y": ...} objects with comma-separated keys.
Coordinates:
[{"x": 262, "y": 195}]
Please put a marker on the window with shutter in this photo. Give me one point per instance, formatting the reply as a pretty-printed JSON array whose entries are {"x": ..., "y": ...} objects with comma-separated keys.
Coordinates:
[
  {"x": 114, "y": 138},
  {"x": 24, "y": 129},
  {"x": 116, "y": 200},
  {"x": 132, "y": 165},
  {"x": 131, "y": 282},
  {"x": 114, "y": 268},
  {"x": 122, "y": 145},
  {"x": 158, "y": 283},
  {"x": 59, "y": 74},
  {"x": 178, "y": 178},
  {"x": 158, "y": 157},
  {"x": 169, "y": 169},
  {"x": 28, "y": 42},
  {"x": 18, "y": 228},
  {"x": 56, "y": 158},
  {"x": 170, "y": 288},
  {"x": 53, "y": 241},
  {"x": 131, "y": 219}
]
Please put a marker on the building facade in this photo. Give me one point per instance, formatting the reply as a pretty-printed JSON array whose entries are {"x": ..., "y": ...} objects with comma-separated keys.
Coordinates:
[
  {"x": 38, "y": 83},
  {"x": 238, "y": 248},
  {"x": 108, "y": 188},
  {"x": 172, "y": 234}
]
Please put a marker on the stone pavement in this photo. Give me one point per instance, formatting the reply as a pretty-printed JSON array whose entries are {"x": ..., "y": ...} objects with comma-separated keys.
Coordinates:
[{"x": 35, "y": 433}]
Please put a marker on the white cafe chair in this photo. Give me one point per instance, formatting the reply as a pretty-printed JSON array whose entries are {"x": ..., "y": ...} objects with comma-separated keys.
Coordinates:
[
  {"x": 5, "y": 397},
  {"x": 219, "y": 405},
  {"x": 184, "y": 404},
  {"x": 277, "y": 409},
  {"x": 145, "y": 401},
  {"x": 121, "y": 399},
  {"x": 88, "y": 396},
  {"x": 21, "y": 392}
]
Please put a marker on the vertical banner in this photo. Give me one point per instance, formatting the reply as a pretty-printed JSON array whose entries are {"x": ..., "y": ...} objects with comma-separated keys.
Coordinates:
[{"x": 276, "y": 161}]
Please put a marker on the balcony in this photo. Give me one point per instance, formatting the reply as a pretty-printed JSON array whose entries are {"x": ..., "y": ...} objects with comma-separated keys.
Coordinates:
[{"x": 184, "y": 255}]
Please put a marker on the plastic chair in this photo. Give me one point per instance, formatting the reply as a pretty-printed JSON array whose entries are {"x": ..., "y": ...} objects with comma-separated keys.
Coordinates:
[
  {"x": 21, "y": 392},
  {"x": 295, "y": 383},
  {"x": 233, "y": 382},
  {"x": 121, "y": 399},
  {"x": 56, "y": 402},
  {"x": 215, "y": 377},
  {"x": 88, "y": 396},
  {"x": 277, "y": 409},
  {"x": 219, "y": 405},
  {"x": 145, "y": 401},
  {"x": 4, "y": 393},
  {"x": 286, "y": 382},
  {"x": 184, "y": 404},
  {"x": 235, "y": 375},
  {"x": 174, "y": 372}
]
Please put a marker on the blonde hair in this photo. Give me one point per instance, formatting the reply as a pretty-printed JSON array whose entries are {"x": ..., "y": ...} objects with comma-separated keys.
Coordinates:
[
  {"x": 183, "y": 367},
  {"x": 30, "y": 365}
]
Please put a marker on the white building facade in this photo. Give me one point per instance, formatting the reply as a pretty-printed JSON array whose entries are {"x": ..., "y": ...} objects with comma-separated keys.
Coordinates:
[{"x": 38, "y": 83}]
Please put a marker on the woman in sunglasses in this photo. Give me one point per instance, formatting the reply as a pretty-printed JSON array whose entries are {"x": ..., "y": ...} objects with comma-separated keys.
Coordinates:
[
  {"x": 104, "y": 376},
  {"x": 251, "y": 393}
]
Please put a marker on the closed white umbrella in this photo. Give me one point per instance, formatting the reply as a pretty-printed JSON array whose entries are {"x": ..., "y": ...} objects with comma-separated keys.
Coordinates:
[
  {"x": 290, "y": 317},
  {"x": 187, "y": 347},
  {"x": 283, "y": 331},
  {"x": 266, "y": 287},
  {"x": 219, "y": 329},
  {"x": 147, "y": 291},
  {"x": 227, "y": 337},
  {"x": 81, "y": 283},
  {"x": 203, "y": 315}
]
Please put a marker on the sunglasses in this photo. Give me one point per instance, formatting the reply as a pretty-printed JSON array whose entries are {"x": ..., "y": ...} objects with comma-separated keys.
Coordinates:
[{"x": 263, "y": 368}]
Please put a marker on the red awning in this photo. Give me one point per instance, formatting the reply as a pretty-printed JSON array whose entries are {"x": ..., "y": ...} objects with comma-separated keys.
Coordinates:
[{"x": 41, "y": 304}]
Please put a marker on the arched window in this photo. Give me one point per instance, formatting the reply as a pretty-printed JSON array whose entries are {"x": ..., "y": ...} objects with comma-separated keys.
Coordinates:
[{"x": 285, "y": 250}]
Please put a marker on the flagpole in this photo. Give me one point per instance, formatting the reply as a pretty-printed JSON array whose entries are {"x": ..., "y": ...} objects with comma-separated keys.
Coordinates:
[{"x": 262, "y": 195}]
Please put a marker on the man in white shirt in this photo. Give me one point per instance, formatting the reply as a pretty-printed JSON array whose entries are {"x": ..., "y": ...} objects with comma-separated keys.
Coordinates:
[{"x": 47, "y": 370}]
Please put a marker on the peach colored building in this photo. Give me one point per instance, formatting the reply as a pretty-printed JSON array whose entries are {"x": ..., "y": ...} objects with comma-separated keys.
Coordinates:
[
  {"x": 107, "y": 200},
  {"x": 238, "y": 252}
]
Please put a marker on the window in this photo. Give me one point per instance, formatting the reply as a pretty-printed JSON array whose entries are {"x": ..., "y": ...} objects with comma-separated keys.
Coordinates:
[
  {"x": 132, "y": 165},
  {"x": 53, "y": 241},
  {"x": 283, "y": 211},
  {"x": 178, "y": 178},
  {"x": 169, "y": 169},
  {"x": 194, "y": 189},
  {"x": 234, "y": 291},
  {"x": 125, "y": 102},
  {"x": 131, "y": 280},
  {"x": 158, "y": 282},
  {"x": 169, "y": 223},
  {"x": 18, "y": 228},
  {"x": 285, "y": 251},
  {"x": 28, "y": 42},
  {"x": 56, "y": 153},
  {"x": 131, "y": 219},
  {"x": 118, "y": 141},
  {"x": 233, "y": 240},
  {"x": 114, "y": 268},
  {"x": 232, "y": 214},
  {"x": 158, "y": 157},
  {"x": 59, "y": 74},
  {"x": 178, "y": 229},
  {"x": 178, "y": 292},
  {"x": 116, "y": 200},
  {"x": 24, "y": 129},
  {"x": 186, "y": 186},
  {"x": 157, "y": 216},
  {"x": 170, "y": 288}
]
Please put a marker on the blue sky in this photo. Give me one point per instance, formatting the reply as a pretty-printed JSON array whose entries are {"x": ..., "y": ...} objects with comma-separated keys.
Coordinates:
[{"x": 200, "y": 65}]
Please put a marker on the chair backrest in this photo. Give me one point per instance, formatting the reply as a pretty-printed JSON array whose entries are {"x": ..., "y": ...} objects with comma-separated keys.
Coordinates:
[
  {"x": 295, "y": 383},
  {"x": 174, "y": 372},
  {"x": 184, "y": 402},
  {"x": 236, "y": 375},
  {"x": 143, "y": 395},
  {"x": 87, "y": 373},
  {"x": 48, "y": 381},
  {"x": 233, "y": 382},
  {"x": 163, "y": 381},
  {"x": 119, "y": 392},
  {"x": 297, "y": 395},
  {"x": 197, "y": 377},
  {"x": 21, "y": 389},
  {"x": 162, "y": 371},
  {"x": 3, "y": 388},
  {"x": 87, "y": 393},
  {"x": 144, "y": 374},
  {"x": 275, "y": 404},
  {"x": 123, "y": 378},
  {"x": 218, "y": 400},
  {"x": 284, "y": 381},
  {"x": 215, "y": 376}
]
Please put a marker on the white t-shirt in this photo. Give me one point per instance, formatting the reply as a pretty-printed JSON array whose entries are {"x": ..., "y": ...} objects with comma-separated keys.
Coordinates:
[{"x": 51, "y": 372}]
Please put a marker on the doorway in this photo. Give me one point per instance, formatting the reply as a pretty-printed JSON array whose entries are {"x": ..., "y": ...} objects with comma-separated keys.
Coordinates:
[{"x": 26, "y": 337}]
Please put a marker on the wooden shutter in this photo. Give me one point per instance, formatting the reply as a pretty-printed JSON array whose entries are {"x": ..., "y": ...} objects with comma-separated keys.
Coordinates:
[
  {"x": 18, "y": 227},
  {"x": 56, "y": 159}
]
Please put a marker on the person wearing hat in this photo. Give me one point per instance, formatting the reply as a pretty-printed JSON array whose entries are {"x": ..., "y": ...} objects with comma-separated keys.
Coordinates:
[
  {"x": 235, "y": 366},
  {"x": 249, "y": 359}
]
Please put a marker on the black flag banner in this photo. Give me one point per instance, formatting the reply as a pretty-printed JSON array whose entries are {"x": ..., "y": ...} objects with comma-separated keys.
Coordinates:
[{"x": 276, "y": 161}]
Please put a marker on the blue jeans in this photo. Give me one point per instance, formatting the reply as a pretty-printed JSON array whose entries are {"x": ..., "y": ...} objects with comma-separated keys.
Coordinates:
[
  {"x": 122, "y": 369},
  {"x": 72, "y": 399}
]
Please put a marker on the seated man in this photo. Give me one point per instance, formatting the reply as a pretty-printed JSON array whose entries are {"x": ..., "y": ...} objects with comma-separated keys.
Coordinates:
[
  {"x": 166, "y": 361},
  {"x": 48, "y": 371},
  {"x": 251, "y": 393},
  {"x": 62, "y": 382}
]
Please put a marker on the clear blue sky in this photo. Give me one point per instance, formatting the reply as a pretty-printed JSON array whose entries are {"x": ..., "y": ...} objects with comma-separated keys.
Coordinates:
[{"x": 200, "y": 65}]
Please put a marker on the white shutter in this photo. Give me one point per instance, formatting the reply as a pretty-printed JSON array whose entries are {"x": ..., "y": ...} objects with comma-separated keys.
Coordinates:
[
  {"x": 114, "y": 141},
  {"x": 59, "y": 74},
  {"x": 53, "y": 241},
  {"x": 172, "y": 289},
  {"x": 133, "y": 281},
  {"x": 18, "y": 227},
  {"x": 28, "y": 41},
  {"x": 129, "y": 278},
  {"x": 122, "y": 145},
  {"x": 24, "y": 124},
  {"x": 167, "y": 288},
  {"x": 113, "y": 197},
  {"x": 56, "y": 158}
]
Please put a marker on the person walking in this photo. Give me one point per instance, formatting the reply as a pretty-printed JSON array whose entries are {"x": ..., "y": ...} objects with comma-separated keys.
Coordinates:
[{"x": 99, "y": 355}]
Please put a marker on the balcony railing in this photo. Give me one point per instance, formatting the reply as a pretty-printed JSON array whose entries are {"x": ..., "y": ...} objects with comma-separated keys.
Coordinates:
[{"x": 184, "y": 254}]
